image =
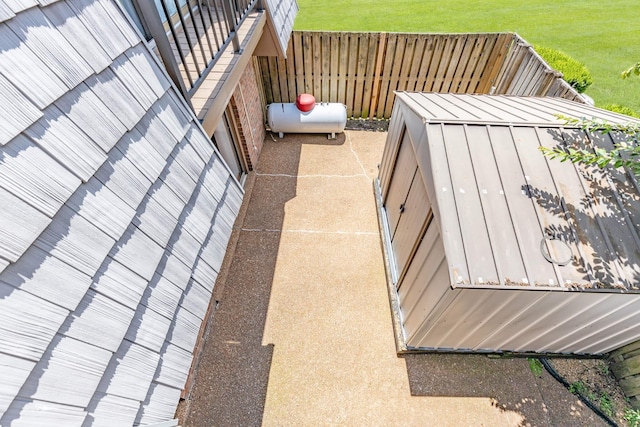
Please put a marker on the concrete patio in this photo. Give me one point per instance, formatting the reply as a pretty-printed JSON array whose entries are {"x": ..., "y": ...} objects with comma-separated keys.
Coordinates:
[{"x": 302, "y": 333}]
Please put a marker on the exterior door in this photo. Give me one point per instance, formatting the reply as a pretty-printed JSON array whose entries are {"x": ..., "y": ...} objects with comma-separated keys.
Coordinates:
[
  {"x": 407, "y": 205},
  {"x": 223, "y": 138}
]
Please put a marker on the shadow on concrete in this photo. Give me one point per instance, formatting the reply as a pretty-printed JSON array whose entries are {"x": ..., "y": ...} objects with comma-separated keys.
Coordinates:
[
  {"x": 232, "y": 373},
  {"x": 508, "y": 382}
]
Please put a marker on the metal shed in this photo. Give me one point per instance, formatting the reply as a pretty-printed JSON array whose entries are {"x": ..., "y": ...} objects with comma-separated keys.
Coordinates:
[{"x": 491, "y": 246}]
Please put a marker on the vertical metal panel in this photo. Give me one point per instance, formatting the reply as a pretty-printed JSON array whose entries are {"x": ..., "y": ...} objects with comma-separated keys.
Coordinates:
[
  {"x": 503, "y": 238},
  {"x": 515, "y": 181},
  {"x": 477, "y": 244},
  {"x": 431, "y": 157}
]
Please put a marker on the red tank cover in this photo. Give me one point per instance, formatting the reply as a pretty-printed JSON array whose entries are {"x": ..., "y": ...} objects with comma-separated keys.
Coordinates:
[{"x": 305, "y": 102}]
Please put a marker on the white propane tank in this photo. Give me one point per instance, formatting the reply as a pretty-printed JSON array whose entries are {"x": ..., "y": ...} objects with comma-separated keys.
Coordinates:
[{"x": 325, "y": 117}]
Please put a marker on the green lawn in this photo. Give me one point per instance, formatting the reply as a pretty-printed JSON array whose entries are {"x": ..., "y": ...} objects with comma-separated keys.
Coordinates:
[{"x": 604, "y": 35}]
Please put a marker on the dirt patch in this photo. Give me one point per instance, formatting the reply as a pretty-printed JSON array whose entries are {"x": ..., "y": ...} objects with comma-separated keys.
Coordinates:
[
  {"x": 593, "y": 379},
  {"x": 372, "y": 125}
]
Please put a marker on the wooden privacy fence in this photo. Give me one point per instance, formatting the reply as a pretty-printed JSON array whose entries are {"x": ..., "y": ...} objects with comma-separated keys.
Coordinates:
[{"x": 362, "y": 70}]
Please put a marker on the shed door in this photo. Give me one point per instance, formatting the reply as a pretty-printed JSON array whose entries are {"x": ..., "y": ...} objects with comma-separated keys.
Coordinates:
[{"x": 407, "y": 205}]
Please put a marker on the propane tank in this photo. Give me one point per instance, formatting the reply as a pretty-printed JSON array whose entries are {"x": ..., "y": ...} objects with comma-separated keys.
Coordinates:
[{"x": 307, "y": 116}]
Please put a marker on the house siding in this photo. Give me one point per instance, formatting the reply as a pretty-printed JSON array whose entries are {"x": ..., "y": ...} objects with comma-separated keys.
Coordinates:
[{"x": 117, "y": 210}]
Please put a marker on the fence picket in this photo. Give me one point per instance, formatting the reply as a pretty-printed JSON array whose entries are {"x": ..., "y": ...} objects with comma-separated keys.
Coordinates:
[{"x": 362, "y": 70}]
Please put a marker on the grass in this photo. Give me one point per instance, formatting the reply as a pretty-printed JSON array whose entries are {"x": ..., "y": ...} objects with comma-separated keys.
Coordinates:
[{"x": 605, "y": 36}]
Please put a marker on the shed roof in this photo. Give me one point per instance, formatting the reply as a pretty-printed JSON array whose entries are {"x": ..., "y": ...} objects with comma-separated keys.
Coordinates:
[{"x": 511, "y": 217}]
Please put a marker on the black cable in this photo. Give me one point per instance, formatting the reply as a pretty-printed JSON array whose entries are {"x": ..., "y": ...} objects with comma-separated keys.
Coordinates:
[{"x": 594, "y": 408}]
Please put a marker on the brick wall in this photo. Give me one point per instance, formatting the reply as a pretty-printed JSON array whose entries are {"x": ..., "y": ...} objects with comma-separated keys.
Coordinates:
[{"x": 248, "y": 114}]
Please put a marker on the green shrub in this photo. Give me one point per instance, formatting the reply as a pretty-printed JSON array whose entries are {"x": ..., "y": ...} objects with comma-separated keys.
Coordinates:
[
  {"x": 575, "y": 73},
  {"x": 621, "y": 109}
]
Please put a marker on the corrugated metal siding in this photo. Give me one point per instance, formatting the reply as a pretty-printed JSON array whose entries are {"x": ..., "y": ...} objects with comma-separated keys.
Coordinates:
[
  {"x": 515, "y": 110},
  {"x": 117, "y": 210},
  {"x": 479, "y": 280},
  {"x": 500, "y": 200},
  {"x": 531, "y": 321}
]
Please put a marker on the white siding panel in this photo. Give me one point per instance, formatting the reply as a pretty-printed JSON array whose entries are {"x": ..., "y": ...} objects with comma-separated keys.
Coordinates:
[
  {"x": 130, "y": 372},
  {"x": 5, "y": 12},
  {"x": 102, "y": 207},
  {"x": 155, "y": 221},
  {"x": 174, "y": 366},
  {"x": 124, "y": 178},
  {"x": 92, "y": 14},
  {"x": 18, "y": 111},
  {"x": 76, "y": 241},
  {"x": 140, "y": 57},
  {"x": 214, "y": 249},
  {"x": 152, "y": 127},
  {"x": 90, "y": 114},
  {"x": 173, "y": 115},
  {"x": 47, "y": 277},
  {"x": 98, "y": 320},
  {"x": 27, "y": 323},
  {"x": 20, "y": 225},
  {"x": 160, "y": 404},
  {"x": 40, "y": 84},
  {"x": 185, "y": 247},
  {"x": 205, "y": 275},
  {"x": 68, "y": 373},
  {"x": 142, "y": 154},
  {"x": 187, "y": 157},
  {"x": 37, "y": 33},
  {"x": 134, "y": 81},
  {"x": 148, "y": 328},
  {"x": 161, "y": 193},
  {"x": 65, "y": 20},
  {"x": 120, "y": 22},
  {"x": 178, "y": 180},
  {"x": 196, "y": 300},
  {"x": 31, "y": 174},
  {"x": 138, "y": 252},
  {"x": 106, "y": 410},
  {"x": 185, "y": 329},
  {"x": 14, "y": 371},
  {"x": 35, "y": 413},
  {"x": 162, "y": 296},
  {"x": 67, "y": 143},
  {"x": 120, "y": 283},
  {"x": 20, "y": 5},
  {"x": 175, "y": 270},
  {"x": 116, "y": 97},
  {"x": 200, "y": 142}
]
